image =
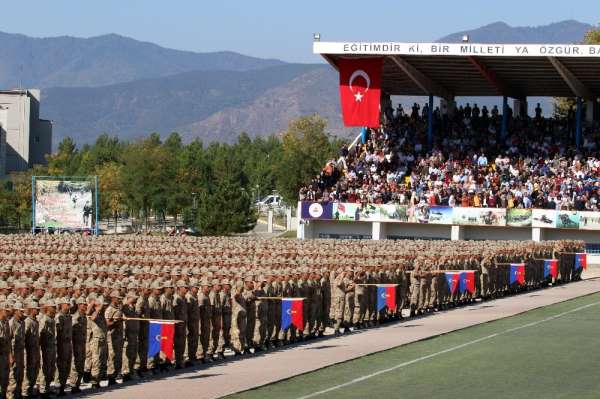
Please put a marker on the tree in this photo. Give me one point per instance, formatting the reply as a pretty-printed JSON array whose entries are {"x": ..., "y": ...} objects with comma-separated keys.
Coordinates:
[
  {"x": 228, "y": 210},
  {"x": 66, "y": 161},
  {"x": 110, "y": 185},
  {"x": 306, "y": 148},
  {"x": 145, "y": 176}
]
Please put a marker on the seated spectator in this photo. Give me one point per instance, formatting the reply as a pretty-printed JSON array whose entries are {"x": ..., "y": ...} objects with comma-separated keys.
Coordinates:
[{"x": 470, "y": 164}]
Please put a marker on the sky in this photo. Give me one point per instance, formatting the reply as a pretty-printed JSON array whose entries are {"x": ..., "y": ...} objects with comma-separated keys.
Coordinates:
[{"x": 278, "y": 29}]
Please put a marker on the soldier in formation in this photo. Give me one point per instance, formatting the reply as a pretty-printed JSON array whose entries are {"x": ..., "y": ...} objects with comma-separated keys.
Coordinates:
[{"x": 70, "y": 306}]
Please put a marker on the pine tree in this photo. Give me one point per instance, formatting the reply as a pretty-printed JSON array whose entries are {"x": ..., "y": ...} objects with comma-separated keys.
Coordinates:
[{"x": 227, "y": 211}]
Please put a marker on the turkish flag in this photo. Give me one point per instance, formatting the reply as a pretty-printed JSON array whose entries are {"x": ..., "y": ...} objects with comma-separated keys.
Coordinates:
[{"x": 360, "y": 92}]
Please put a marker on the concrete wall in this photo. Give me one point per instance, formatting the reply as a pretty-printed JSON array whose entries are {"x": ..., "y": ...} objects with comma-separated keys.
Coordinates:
[
  {"x": 496, "y": 233},
  {"x": 591, "y": 237},
  {"x": 17, "y": 130},
  {"x": 41, "y": 143},
  {"x": 382, "y": 230},
  {"x": 28, "y": 139},
  {"x": 410, "y": 230},
  {"x": 3, "y": 115}
]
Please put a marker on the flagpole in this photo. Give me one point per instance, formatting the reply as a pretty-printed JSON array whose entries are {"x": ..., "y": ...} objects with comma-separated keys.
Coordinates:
[
  {"x": 508, "y": 264},
  {"x": 277, "y": 298},
  {"x": 381, "y": 285},
  {"x": 142, "y": 319}
]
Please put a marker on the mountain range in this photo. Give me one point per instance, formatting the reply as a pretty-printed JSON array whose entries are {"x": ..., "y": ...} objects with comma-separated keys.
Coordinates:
[{"x": 124, "y": 87}]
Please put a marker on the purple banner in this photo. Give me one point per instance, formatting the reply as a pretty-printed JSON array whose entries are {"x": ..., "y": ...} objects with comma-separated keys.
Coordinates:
[{"x": 317, "y": 210}]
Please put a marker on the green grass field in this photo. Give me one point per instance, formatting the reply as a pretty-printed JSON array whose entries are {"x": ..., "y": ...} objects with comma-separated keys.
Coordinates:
[{"x": 544, "y": 353}]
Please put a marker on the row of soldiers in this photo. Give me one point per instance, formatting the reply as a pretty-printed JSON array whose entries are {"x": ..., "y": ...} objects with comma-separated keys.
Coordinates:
[{"x": 67, "y": 317}]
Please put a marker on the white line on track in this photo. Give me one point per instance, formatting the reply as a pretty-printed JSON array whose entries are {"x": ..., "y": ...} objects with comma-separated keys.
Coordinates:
[{"x": 452, "y": 349}]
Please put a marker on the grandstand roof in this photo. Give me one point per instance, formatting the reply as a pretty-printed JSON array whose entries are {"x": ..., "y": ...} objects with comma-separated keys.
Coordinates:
[{"x": 470, "y": 69}]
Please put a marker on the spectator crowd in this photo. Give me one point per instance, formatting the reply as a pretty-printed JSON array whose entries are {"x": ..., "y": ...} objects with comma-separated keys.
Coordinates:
[{"x": 471, "y": 163}]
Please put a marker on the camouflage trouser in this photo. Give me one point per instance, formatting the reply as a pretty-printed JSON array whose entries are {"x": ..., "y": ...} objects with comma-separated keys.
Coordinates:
[
  {"x": 349, "y": 309},
  {"x": 485, "y": 284},
  {"x": 274, "y": 320},
  {"x": 306, "y": 315},
  {"x": 48, "y": 369},
  {"x": 99, "y": 352},
  {"x": 193, "y": 327},
  {"x": 317, "y": 315},
  {"x": 238, "y": 332},
  {"x": 63, "y": 362},
  {"x": 259, "y": 336},
  {"x": 4, "y": 373},
  {"x": 88, "y": 352},
  {"x": 271, "y": 319},
  {"x": 425, "y": 287},
  {"x": 250, "y": 324},
  {"x": 77, "y": 365},
  {"x": 415, "y": 293},
  {"x": 115, "y": 355},
  {"x": 360, "y": 309},
  {"x": 32, "y": 369},
  {"x": 340, "y": 304},
  {"x": 216, "y": 327},
  {"x": 143, "y": 345},
  {"x": 204, "y": 338},
  {"x": 130, "y": 351},
  {"x": 433, "y": 292},
  {"x": 16, "y": 374},
  {"x": 179, "y": 343},
  {"x": 227, "y": 328}
]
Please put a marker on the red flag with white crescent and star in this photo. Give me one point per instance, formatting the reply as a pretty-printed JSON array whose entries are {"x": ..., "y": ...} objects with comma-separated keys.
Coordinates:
[{"x": 360, "y": 90}]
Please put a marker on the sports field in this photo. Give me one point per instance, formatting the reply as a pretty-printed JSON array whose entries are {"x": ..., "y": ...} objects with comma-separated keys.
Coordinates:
[{"x": 551, "y": 352}]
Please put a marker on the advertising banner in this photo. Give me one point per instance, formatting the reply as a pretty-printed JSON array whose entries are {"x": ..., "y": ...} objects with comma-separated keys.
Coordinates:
[
  {"x": 317, "y": 210},
  {"x": 479, "y": 216},
  {"x": 567, "y": 219},
  {"x": 519, "y": 217},
  {"x": 589, "y": 220},
  {"x": 425, "y": 214},
  {"x": 393, "y": 213},
  {"x": 543, "y": 218},
  {"x": 63, "y": 204},
  {"x": 440, "y": 215},
  {"x": 346, "y": 211},
  {"x": 369, "y": 213}
]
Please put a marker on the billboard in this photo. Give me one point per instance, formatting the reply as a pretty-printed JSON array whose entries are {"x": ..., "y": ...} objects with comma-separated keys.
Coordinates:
[
  {"x": 63, "y": 203},
  {"x": 589, "y": 220},
  {"x": 479, "y": 216},
  {"x": 463, "y": 216},
  {"x": 567, "y": 219},
  {"x": 519, "y": 217},
  {"x": 317, "y": 210},
  {"x": 543, "y": 218}
]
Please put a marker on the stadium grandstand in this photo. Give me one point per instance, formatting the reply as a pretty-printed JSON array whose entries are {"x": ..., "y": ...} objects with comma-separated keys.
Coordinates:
[{"x": 530, "y": 176}]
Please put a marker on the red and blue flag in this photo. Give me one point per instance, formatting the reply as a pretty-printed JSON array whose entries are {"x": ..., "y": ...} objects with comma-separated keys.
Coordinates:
[
  {"x": 580, "y": 261},
  {"x": 160, "y": 338},
  {"x": 386, "y": 296},
  {"x": 517, "y": 273},
  {"x": 551, "y": 268},
  {"x": 452, "y": 279},
  {"x": 466, "y": 281},
  {"x": 291, "y": 313}
]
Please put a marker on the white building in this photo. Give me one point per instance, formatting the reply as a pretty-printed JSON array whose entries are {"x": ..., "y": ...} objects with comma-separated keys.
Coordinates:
[{"x": 25, "y": 139}]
